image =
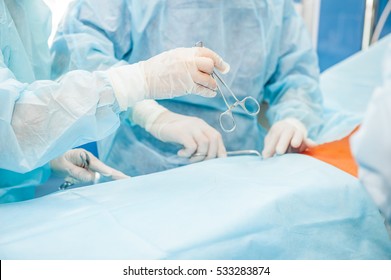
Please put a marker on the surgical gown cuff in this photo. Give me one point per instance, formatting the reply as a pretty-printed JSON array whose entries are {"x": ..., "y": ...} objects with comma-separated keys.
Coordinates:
[
  {"x": 146, "y": 112},
  {"x": 128, "y": 83}
]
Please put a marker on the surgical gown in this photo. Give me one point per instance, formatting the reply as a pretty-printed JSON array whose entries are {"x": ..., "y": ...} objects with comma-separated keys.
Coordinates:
[
  {"x": 264, "y": 41},
  {"x": 41, "y": 119},
  {"x": 372, "y": 146}
]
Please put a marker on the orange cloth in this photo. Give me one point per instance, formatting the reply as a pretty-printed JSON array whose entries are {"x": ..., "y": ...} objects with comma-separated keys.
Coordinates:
[{"x": 336, "y": 153}]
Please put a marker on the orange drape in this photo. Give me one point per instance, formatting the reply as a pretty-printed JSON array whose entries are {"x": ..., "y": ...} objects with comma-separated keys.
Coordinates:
[{"x": 336, "y": 153}]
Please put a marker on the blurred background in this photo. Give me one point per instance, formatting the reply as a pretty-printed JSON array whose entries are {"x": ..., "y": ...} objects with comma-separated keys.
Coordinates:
[{"x": 338, "y": 28}]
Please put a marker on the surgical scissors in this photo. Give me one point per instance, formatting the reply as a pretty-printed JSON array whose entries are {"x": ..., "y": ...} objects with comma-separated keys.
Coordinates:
[
  {"x": 85, "y": 163},
  {"x": 249, "y": 104}
]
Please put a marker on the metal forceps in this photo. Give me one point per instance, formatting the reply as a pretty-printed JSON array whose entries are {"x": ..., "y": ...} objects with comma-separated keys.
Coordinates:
[
  {"x": 249, "y": 104},
  {"x": 85, "y": 163},
  {"x": 244, "y": 153}
]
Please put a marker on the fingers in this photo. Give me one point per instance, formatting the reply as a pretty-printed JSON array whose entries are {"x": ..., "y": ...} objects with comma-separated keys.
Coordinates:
[
  {"x": 81, "y": 166},
  {"x": 271, "y": 141},
  {"x": 70, "y": 165},
  {"x": 205, "y": 64},
  {"x": 205, "y": 84},
  {"x": 297, "y": 139},
  {"x": 221, "y": 151},
  {"x": 216, "y": 147},
  {"x": 205, "y": 80},
  {"x": 78, "y": 173},
  {"x": 212, "y": 149},
  {"x": 305, "y": 145},
  {"x": 310, "y": 143},
  {"x": 97, "y": 166},
  {"x": 205, "y": 143},
  {"x": 118, "y": 175},
  {"x": 202, "y": 146},
  {"x": 284, "y": 141},
  {"x": 203, "y": 91},
  {"x": 283, "y": 138},
  {"x": 219, "y": 63},
  {"x": 216, "y": 143},
  {"x": 190, "y": 147}
]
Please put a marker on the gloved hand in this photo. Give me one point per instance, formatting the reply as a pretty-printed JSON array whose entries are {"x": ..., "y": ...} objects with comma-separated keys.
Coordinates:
[
  {"x": 287, "y": 135},
  {"x": 71, "y": 166},
  {"x": 200, "y": 141},
  {"x": 170, "y": 74},
  {"x": 182, "y": 71}
]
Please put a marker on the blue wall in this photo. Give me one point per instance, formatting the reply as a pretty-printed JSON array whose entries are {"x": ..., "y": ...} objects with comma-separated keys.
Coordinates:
[{"x": 340, "y": 30}]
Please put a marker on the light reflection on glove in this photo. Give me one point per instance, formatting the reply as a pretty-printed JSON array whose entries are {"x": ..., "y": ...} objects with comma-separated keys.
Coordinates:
[
  {"x": 200, "y": 141},
  {"x": 71, "y": 166},
  {"x": 288, "y": 135}
]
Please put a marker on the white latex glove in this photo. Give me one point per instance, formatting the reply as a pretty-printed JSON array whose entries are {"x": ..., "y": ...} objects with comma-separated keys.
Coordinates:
[
  {"x": 170, "y": 74},
  {"x": 288, "y": 135},
  {"x": 70, "y": 166},
  {"x": 200, "y": 141}
]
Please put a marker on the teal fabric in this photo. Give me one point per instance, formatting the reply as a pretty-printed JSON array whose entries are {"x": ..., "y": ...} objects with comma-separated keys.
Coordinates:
[
  {"x": 265, "y": 43},
  {"x": 25, "y": 28},
  {"x": 17, "y": 187},
  {"x": 288, "y": 207},
  {"x": 41, "y": 119},
  {"x": 24, "y": 55}
]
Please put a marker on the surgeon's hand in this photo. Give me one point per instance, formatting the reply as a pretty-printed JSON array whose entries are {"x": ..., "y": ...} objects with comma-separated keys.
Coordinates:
[
  {"x": 288, "y": 135},
  {"x": 170, "y": 74},
  {"x": 72, "y": 165},
  {"x": 182, "y": 71},
  {"x": 200, "y": 141}
]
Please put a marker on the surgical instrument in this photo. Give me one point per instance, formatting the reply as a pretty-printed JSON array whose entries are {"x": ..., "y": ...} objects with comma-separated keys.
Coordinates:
[
  {"x": 249, "y": 104},
  {"x": 244, "y": 153},
  {"x": 85, "y": 163}
]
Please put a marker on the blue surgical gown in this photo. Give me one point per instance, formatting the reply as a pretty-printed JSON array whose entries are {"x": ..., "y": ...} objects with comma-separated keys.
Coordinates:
[
  {"x": 371, "y": 145},
  {"x": 264, "y": 41},
  {"x": 41, "y": 119}
]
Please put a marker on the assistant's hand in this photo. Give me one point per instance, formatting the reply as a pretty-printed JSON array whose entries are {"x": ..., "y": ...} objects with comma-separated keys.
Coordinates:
[
  {"x": 200, "y": 141},
  {"x": 288, "y": 135},
  {"x": 71, "y": 166}
]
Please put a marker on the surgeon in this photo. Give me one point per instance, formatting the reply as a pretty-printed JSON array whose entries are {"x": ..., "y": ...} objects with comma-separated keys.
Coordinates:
[
  {"x": 42, "y": 119},
  {"x": 271, "y": 59},
  {"x": 371, "y": 146}
]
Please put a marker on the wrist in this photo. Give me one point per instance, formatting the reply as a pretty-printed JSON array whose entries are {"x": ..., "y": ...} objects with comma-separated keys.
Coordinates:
[
  {"x": 129, "y": 84},
  {"x": 146, "y": 113}
]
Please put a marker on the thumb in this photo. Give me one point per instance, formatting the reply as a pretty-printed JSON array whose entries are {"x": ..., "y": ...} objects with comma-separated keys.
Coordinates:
[
  {"x": 189, "y": 148},
  {"x": 219, "y": 63}
]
